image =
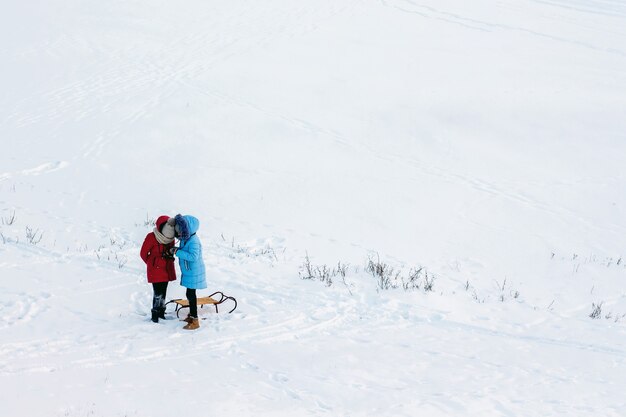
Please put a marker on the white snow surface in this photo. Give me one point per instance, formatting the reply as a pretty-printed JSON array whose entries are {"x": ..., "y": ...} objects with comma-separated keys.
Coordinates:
[{"x": 484, "y": 141}]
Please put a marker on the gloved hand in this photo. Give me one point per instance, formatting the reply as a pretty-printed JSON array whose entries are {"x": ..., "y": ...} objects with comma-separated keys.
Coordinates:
[{"x": 173, "y": 250}]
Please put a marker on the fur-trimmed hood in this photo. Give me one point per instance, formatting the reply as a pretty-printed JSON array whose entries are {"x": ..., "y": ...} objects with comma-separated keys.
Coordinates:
[{"x": 186, "y": 226}]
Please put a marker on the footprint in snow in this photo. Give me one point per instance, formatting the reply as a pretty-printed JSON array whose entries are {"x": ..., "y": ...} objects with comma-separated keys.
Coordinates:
[
  {"x": 250, "y": 366},
  {"x": 279, "y": 377},
  {"x": 294, "y": 395}
]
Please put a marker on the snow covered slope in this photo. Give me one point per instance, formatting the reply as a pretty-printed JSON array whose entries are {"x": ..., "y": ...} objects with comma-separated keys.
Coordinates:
[{"x": 483, "y": 141}]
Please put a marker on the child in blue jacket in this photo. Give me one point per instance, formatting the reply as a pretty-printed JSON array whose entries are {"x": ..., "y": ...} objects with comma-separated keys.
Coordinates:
[{"x": 192, "y": 269}]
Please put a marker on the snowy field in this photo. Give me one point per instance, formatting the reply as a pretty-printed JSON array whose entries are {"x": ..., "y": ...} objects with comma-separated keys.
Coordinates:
[{"x": 483, "y": 141}]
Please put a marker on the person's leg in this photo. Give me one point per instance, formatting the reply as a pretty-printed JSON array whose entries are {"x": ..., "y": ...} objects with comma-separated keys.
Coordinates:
[
  {"x": 192, "y": 320},
  {"x": 156, "y": 301},
  {"x": 164, "y": 291},
  {"x": 161, "y": 296},
  {"x": 193, "y": 302}
]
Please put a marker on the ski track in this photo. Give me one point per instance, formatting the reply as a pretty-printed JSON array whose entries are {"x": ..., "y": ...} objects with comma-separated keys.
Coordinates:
[
  {"x": 99, "y": 351},
  {"x": 611, "y": 8},
  {"x": 274, "y": 313},
  {"x": 426, "y": 11},
  {"x": 150, "y": 73},
  {"x": 42, "y": 169}
]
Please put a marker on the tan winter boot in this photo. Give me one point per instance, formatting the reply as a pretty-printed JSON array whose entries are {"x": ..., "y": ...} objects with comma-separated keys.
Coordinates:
[
  {"x": 195, "y": 324},
  {"x": 188, "y": 319}
]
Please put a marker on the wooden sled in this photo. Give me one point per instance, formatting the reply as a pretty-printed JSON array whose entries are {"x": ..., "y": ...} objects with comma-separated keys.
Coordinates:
[{"x": 182, "y": 303}]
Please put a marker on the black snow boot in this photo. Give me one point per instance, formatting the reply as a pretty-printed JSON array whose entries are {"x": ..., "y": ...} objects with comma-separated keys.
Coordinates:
[
  {"x": 161, "y": 312},
  {"x": 155, "y": 315}
]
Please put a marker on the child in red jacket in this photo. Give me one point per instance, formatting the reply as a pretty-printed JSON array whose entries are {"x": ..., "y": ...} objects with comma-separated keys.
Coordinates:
[{"x": 155, "y": 252}]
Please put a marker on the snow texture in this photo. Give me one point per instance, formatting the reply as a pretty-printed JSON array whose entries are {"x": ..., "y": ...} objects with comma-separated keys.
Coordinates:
[{"x": 483, "y": 142}]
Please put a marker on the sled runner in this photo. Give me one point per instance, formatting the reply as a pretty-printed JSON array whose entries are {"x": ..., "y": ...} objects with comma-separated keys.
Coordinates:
[{"x": 182, "y": 303}]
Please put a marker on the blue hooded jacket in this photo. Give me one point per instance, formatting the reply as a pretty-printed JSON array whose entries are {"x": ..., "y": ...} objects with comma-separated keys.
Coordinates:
[{"x": 190, "y": 253}]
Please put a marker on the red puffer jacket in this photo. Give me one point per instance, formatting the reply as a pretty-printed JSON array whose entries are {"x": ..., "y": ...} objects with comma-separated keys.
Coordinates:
[{"x": 159, "y": 269}]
